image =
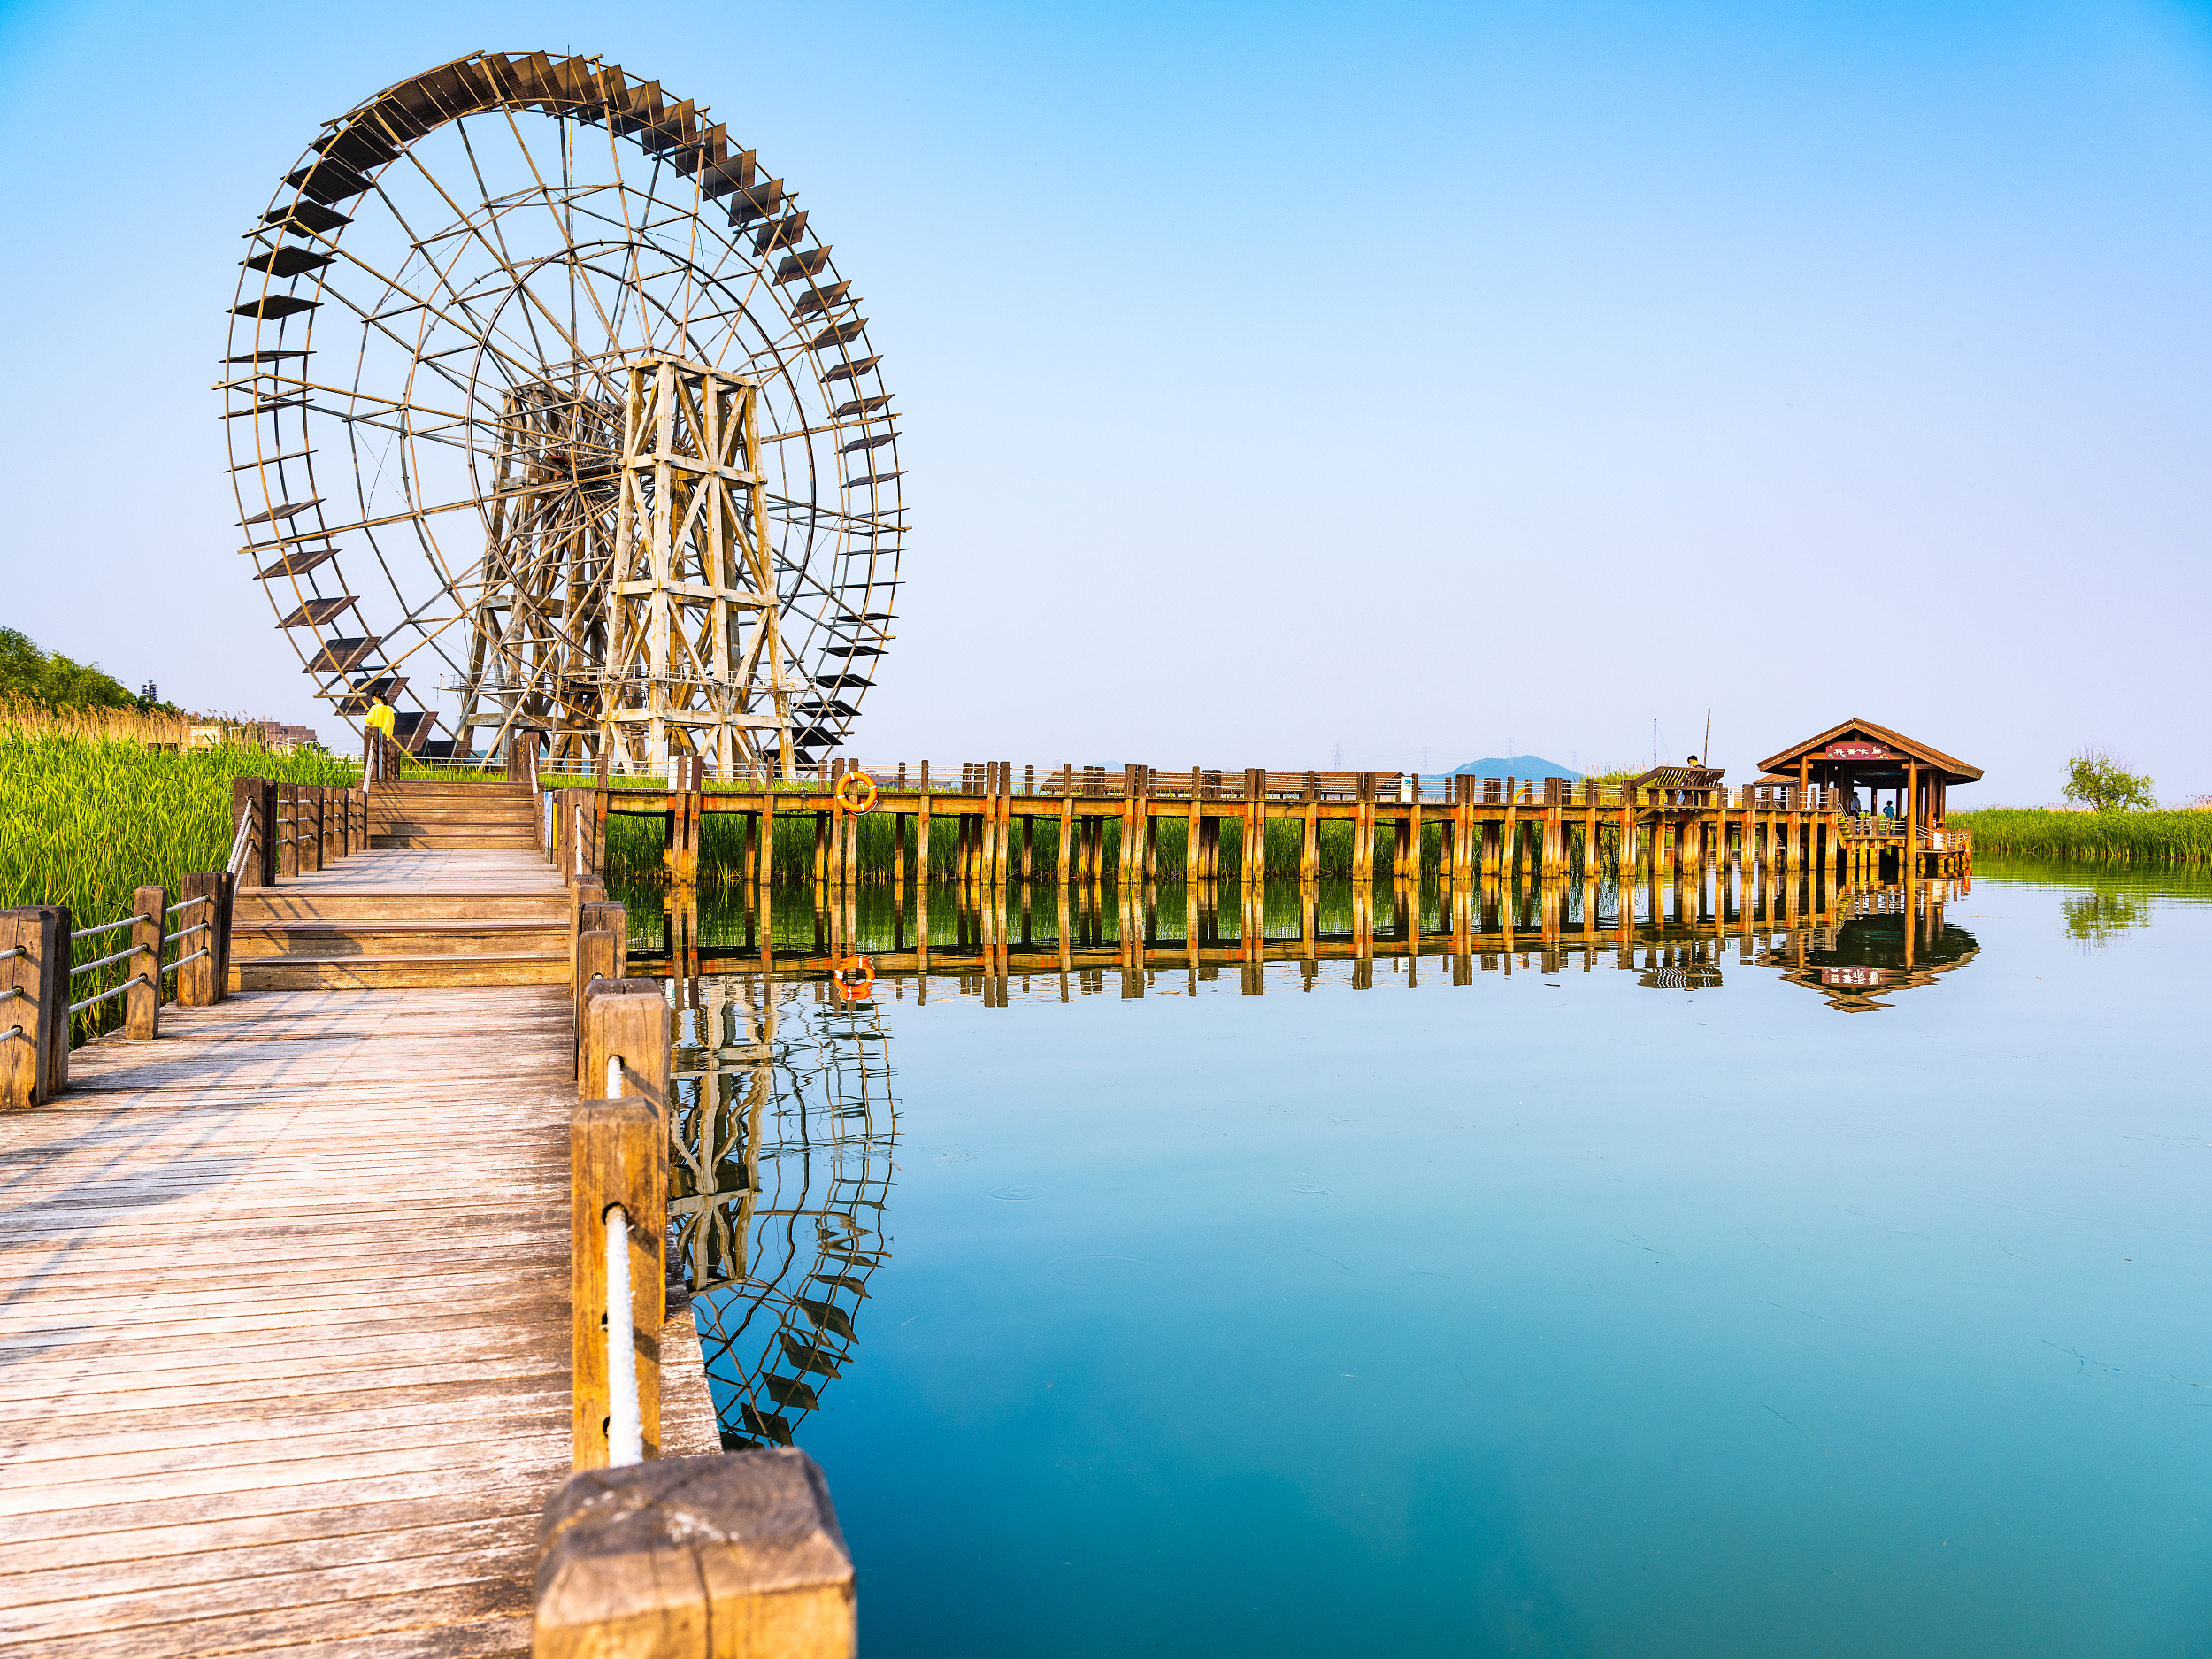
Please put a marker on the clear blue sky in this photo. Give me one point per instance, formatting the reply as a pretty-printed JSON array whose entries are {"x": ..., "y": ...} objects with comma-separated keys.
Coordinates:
[{"x": 1449, "y": 381}]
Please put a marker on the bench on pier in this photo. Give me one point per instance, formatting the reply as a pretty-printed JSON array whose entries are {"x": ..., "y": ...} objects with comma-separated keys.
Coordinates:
[{"x": 1683, "y": 786}]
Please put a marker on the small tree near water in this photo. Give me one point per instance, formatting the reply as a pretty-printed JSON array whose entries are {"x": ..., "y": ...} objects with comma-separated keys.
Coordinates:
[{"x": 2098, "y": 780}]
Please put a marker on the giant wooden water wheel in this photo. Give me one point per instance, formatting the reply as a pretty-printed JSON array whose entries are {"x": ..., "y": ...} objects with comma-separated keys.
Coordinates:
[{"x": 549, "y": 413}]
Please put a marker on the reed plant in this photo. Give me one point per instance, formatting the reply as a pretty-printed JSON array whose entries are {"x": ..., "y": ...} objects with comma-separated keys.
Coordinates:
[
  {"x": 90, "y": 812},
  {"x": 635, "y": 847},
  {"x": 2145, "y": 838}
]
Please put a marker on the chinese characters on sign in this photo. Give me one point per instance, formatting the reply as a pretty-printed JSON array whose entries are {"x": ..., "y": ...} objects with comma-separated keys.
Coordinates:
[
  {"x": 1855, "y": 978},
  {"x": 1857, "y": 751}
]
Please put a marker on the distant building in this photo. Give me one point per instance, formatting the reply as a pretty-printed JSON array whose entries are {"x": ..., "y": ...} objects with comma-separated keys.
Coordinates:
[{"x": 281, "y": 738}]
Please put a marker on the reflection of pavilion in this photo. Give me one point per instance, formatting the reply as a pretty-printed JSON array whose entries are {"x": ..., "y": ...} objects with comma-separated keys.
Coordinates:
[
  {"x": 1887, "y": 939},
  {"x": 779, "y": 1160}
]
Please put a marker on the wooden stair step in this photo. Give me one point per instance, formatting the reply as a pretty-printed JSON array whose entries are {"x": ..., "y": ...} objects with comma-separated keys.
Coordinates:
[
  {"x": 258, "y": 940},
  {"x": 311, "y": 972},
  {"x": 308, "y": 907}
]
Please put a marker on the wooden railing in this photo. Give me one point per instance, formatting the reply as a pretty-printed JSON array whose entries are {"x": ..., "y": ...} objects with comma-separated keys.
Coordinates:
[
  {"x": 41, "y": 956},
  {"x": 277, "y": 829},
  {"x": 620, "y": 1567}
]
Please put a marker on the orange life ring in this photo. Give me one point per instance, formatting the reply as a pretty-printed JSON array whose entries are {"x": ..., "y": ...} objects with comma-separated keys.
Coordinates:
[
  {"x": 855, "y": 989},
  {"x": 866, "y": 782}
]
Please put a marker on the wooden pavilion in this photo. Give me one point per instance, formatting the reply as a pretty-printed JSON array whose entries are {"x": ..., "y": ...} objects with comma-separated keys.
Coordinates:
[{"x": 1861, "y": 762}]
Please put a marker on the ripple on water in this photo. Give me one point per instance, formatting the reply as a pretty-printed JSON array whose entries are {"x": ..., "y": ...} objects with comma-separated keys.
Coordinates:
[
  {"x": 1016, "y": 1193},
  {"x": 1310, "y": 1190},
  {"x": 1100, "y": 1268}
]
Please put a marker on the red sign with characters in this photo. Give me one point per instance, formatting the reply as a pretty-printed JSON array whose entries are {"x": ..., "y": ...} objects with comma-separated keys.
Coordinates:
[
  {"x": 1858, "y": 751},
  {"x": 1860, "y": 979}
]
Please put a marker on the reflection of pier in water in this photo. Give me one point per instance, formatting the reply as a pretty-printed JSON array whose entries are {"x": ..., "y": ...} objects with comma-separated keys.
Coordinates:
[
  {"x": 1883, "y": 942},
  {"x": 781, "y": 1137},
  {"x": 1676, "y": 927}
]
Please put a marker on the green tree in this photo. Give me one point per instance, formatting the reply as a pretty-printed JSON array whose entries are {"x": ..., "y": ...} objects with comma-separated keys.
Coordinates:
[
  {"x": 30, "y": 675},
  {"x": 2098, "y": 780}
]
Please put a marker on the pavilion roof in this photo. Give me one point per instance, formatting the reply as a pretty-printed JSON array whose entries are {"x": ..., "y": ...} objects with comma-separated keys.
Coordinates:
[{"x": 1952, "y": 770}]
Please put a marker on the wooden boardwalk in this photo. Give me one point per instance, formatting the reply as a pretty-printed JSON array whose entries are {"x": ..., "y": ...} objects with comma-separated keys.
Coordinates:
[{"x": 284, "y": 1322}]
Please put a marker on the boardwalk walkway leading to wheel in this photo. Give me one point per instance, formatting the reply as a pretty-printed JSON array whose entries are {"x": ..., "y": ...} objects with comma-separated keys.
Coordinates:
[{"x": 284, "y": 1319}]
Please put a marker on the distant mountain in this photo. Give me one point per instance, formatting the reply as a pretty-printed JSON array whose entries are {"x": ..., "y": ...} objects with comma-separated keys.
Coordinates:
[{"x": 1518, "y": 766}]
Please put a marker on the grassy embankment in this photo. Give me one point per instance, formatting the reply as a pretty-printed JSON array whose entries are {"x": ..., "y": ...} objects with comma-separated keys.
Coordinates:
[
  {"x": 2142, "y": 837},
  {"x": 90, "y": 810}
]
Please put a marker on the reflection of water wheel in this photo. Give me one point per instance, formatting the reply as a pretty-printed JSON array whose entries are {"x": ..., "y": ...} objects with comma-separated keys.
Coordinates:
[
  {"x": 540, "y": 395},
  {"x": 781, "y": 1170}
]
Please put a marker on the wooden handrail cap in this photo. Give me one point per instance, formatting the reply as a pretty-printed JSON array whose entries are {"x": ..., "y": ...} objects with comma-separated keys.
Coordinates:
[{"x": 740, "y": 1550}]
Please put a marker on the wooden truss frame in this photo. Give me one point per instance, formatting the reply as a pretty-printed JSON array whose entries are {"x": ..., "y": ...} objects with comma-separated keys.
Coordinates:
[{"x": 692, "y": 565}]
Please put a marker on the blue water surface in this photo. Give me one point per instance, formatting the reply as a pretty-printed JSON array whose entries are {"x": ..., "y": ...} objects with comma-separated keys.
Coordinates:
[{"x": 1550, "y": 1314}]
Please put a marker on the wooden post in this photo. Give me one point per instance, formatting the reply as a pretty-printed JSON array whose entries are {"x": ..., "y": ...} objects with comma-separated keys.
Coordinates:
[
  {"x": 582, "y": 890},
  {"x": 1252, "y": 851},
  {"x": 921, "y": 837},
  {"x": 245, "y": 808},
  {"x": 288, "y": 830},
  {"x": 1190, "y": 842},
  {"x": 1309, "y": 847},
  {"x": 648, "y": 1560},
  {"x": 142, "y": 1003},
  {"x": 1912, "y": 821},
  {"x": 27, "y": 982},
  {"x": 198, "y": 984},
  {"x": 1409, "y": 843},
  {"x": 55, "y": 1008},
  {"x": 601, "y": 956},
  {"x": 225, "y": 898},
  {"x": 1508, "y": 830},
  {"x": 618, "y": 1158}
]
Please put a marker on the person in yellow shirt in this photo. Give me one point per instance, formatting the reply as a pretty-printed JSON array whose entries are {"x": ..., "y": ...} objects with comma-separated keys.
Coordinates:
[{"x": 380, "y": 716}]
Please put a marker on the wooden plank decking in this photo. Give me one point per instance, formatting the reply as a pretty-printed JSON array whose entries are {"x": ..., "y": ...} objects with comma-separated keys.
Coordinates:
[{"x": 284, "y": 1326}]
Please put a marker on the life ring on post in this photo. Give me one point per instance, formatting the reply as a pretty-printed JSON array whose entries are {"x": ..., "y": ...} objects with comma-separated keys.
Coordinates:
[
  {"x": 864, "y": 783},
  {"x": 855, "y": 977}
]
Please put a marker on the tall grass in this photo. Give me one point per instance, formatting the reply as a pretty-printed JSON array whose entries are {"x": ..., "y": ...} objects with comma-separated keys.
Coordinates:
[
  {"x": 635, "y": 845},
  {"x": 2150, "y": 837},
  {"x": 89, "y": 813}
]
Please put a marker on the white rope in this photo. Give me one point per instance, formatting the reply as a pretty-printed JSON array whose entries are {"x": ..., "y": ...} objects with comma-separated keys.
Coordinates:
[
  {"x": 626, "y": 1429},
  {"x": 625, "y": 1424},
  {"x": 238, "y": 843}
]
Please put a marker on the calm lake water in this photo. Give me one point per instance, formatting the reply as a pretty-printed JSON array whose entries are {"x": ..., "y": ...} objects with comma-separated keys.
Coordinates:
[{"x": 1554, "y": 1313}]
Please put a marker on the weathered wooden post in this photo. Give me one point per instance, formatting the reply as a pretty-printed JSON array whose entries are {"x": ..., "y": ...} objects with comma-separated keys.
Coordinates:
[
  {"x": 617, "y": 1221},
  {"x": 29, "y": 990},
  {"x": 141, "y": 1002},
  {"x": 1252, "y": 851},
  {"x": 252, "y": 804},
  {"x": 1310, "y": 847},
  {"x": 600, "y": 953},
  {"x": 582, "y": 890},
  {"x": 199, "y": 984},
  {"x": 1194, "y": 835},
  {"x": 732, "y": 1556},
  {"x": 283, "y": 829}
]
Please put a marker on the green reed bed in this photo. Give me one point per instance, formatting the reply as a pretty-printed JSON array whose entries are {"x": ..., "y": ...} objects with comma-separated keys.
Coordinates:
[
  {"x": 635, "y": 847},
  {"x": 2149, "y": 838},
  {"x": 85, "y": 821}
]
